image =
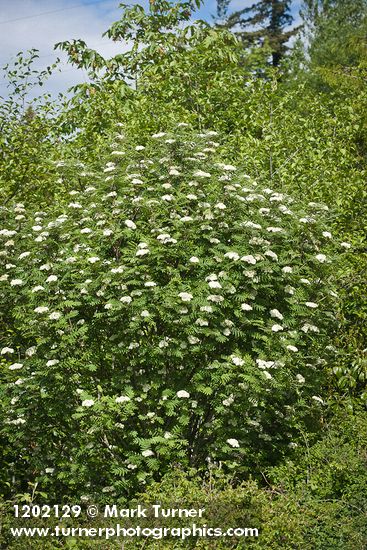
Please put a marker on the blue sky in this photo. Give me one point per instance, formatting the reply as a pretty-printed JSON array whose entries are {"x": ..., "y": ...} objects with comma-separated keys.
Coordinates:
[{"x": 26, "y": 24}]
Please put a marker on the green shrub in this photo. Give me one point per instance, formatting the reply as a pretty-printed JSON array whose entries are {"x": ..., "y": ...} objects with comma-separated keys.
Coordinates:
[{"x": 173, "y": 312}]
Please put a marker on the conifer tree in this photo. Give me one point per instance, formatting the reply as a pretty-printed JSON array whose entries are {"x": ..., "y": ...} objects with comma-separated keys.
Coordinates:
[
  {"x": 264, "y": 21},
  {"x": 336, "y": 31}
]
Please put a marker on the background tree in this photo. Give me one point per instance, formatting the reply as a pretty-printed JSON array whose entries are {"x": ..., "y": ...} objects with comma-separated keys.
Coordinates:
[
  {"x": 266, "y": 21},
  {"x": 335, "y": 32},
  {"x": 28, "y": 128}
]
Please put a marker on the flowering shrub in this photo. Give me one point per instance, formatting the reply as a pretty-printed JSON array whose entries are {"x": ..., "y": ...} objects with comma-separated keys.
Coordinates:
[{"x": 171, "y": 310}]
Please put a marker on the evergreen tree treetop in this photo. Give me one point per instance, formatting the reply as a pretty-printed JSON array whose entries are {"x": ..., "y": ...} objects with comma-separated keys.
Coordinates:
[{"x": 266, "y": 21}]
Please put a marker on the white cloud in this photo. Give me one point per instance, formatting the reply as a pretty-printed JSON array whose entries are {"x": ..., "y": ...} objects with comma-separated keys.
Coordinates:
[{"x": 20, "y": 31}]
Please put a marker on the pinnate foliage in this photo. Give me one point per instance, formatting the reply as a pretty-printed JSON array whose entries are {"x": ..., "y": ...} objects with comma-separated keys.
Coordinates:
[{"x": 169, "y": 310}]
